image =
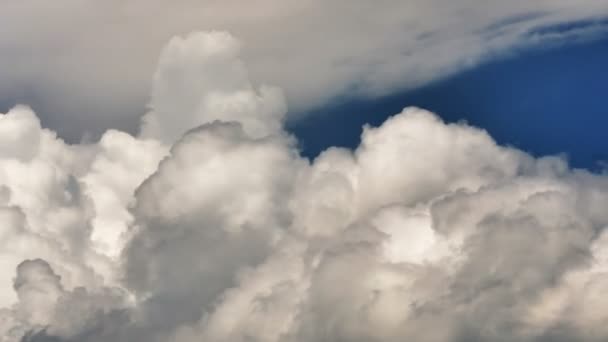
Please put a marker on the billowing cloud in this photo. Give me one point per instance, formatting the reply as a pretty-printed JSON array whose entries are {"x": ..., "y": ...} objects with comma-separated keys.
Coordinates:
[
  {"x": 210, "y": 226},
  {"x": 200, "y": 79},
  {"x": 86, "y": 65}
]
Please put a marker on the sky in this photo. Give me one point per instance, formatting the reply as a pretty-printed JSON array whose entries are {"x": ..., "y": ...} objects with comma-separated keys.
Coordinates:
[
  {"x": 543, "y": 100},
  {"x": 287, "y": 171}
]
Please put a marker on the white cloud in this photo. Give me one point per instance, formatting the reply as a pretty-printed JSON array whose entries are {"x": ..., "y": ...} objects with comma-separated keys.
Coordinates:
[
  {"x": 201, "y": 79},
  {"x": 121, "y": 163},
  {"x": 426, "y": 231},
  {"x": 100, "y": 55}
]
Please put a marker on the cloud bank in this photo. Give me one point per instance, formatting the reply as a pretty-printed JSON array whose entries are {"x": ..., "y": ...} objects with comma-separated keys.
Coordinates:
[
  {"x": 210, "y": 226},
  {"x": 86, "y": 65}
]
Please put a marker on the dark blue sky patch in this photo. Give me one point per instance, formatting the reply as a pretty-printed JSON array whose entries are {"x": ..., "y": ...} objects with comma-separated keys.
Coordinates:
[
  {"x": 544, "y": 101},
  {"x": 598, "y": 25}
]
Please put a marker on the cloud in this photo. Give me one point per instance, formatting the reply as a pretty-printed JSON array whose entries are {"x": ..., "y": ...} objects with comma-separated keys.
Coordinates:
[
  {"x": 208, "y": 65},
  {"x": 315, "y": 51},
  {"x": 45, "y": 307},
  {"x": 210, "y": 226}
]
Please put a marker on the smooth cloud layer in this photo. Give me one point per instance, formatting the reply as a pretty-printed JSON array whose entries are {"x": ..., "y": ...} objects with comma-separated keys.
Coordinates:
[
  {"x": 210, "y": 226},
  {"x": 86, "y": 65}
]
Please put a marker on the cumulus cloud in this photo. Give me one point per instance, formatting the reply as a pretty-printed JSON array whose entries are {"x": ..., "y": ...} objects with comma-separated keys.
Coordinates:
[
  {"x": 200, "y": 79},
  {"x": 210, "y": 226},
  {"x": 86, "y": 65},
  {"x": 45, "y": 307}
]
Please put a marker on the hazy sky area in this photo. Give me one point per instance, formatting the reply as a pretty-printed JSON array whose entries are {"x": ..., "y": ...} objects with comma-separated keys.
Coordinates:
[
  {"x": 102, "y": 55},
  {"x": 303, "y": 171}
]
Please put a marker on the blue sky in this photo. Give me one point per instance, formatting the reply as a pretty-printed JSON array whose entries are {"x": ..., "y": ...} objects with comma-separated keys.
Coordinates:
[{"x": 543, "y": 100}]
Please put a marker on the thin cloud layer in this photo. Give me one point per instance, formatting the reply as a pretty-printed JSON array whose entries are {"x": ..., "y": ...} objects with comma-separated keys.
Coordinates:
[
  {"x": 210, "y": 226},
  {"x": 86, "y": 65}
]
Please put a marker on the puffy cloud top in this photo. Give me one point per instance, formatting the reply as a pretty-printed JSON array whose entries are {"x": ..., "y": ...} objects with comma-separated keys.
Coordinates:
[{"x": 200, "y": 79}]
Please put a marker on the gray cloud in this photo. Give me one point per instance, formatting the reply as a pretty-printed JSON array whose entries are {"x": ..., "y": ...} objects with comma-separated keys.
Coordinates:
[{"x": 86, "y": 65}]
